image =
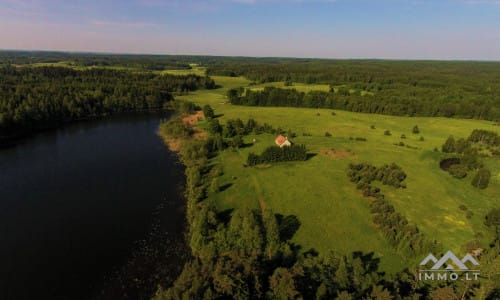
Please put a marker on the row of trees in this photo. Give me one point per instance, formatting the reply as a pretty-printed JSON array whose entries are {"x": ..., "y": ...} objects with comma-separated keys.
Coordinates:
[
  {"x": 391, "y": 174},
  {"x": 381, "y": 103},
  {"x": 35, "y": 98},
  {"x": 274, "y": 154},
  {"x": 485, "y": 136},
  {"x": 401, "y": 234}
]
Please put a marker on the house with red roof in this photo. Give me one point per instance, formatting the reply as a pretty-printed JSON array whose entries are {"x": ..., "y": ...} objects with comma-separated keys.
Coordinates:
[{"x": 282, "y": 141}]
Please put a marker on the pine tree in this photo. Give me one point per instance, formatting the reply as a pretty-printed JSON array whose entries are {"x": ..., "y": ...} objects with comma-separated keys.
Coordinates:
[{"x": 449, "y": 145}]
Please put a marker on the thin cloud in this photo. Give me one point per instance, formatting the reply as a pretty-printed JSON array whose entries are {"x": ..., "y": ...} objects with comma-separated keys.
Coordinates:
[{"x": 107, "y": 23}]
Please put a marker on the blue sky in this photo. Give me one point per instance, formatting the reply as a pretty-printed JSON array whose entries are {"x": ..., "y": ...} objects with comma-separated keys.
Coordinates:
[{"x": 419, "y": 29}]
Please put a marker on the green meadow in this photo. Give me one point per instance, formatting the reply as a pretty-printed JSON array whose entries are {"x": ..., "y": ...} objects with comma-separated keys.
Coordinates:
[{"x": 333, "y": 214}]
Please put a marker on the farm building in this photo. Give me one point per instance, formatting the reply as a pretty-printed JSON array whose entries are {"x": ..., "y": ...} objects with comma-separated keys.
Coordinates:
[{"x": 282, "y": 141}]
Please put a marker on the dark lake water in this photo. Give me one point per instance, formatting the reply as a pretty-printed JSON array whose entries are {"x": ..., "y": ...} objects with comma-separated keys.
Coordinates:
[{"x": 74, "y": 202}]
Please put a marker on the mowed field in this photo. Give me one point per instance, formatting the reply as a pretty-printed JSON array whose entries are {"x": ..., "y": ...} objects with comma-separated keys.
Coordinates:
[{"x": 333, "y": 214}]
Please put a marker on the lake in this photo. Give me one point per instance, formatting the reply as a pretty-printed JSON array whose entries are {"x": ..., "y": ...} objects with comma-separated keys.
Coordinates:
[{"x": 74, "y": 202}]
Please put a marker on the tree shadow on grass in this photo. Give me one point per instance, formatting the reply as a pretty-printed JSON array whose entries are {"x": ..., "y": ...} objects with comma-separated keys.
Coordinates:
[
  {"x": 246, "y": 145},
  {"x": 288, "y": 226},
  {"x": 311, "y": 155},
  {"x": 370, "y": 263},
  {"x": 225, "y": 187},
  {"x": 225, "y": 215}
]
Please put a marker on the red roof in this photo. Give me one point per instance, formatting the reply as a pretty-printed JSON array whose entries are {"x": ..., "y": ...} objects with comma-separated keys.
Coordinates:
[{"x": 280, "y": 139}]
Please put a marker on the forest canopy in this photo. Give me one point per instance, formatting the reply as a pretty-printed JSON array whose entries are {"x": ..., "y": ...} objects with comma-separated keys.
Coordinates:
[{"x": 35, "y": 98}]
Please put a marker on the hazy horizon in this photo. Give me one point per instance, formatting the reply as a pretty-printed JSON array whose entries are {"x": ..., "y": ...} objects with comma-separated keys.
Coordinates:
[{"x": 331, "y": 29}]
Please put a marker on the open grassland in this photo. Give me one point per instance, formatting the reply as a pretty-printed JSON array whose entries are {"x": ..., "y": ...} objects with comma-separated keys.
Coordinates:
[
  {"x": 333, "y": 214},
  {"x": 195, "y": 69}
]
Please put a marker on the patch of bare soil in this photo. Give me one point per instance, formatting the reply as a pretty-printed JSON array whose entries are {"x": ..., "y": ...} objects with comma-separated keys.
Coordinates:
[
  {"x": 191, "y": 121},
  {"x": 336, "y": 153}
]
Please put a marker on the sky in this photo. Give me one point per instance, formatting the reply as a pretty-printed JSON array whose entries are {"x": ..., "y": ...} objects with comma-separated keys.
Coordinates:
[{"x": 393, "y": 29}]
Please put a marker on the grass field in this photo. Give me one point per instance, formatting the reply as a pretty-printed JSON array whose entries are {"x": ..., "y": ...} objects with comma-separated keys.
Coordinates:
[{"x": 333, "y": 214}]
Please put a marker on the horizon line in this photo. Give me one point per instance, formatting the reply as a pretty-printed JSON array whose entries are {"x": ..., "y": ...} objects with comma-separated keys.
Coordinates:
[{"x": 247, "y": 56}]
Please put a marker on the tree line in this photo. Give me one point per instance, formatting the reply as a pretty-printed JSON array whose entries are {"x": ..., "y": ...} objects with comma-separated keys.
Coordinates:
[
  {"x": 42, "y": 97},
  {"x": 450, "y": 89},
  {"x": 274, "y": 154},
  {"x": 400, "y": 233},
  {"x": 380, "y": 103}
]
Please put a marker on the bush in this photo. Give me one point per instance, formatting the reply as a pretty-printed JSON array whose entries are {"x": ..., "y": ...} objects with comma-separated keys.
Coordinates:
[
  {"x": 422, "y": 139},
  {"x": 458, "y": 171},
  {"x": 403, "y": 136},
  {"x": 492, "y": 219},
  {"x": 482, "y": 178},
  {"x": 327, "y": 134},
  {"x": 333, "y": 113},
  {"x": 372, "y": 127},
  {"x": 387, "y": 132},
  {"x": 449, "y": 145},
  {"x": 208, "y": 112},
  {"x": 415, "y": 130},
  {"x": 361, "y": 139}
]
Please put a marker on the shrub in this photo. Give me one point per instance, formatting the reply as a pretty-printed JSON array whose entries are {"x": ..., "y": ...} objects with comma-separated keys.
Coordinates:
[
  {"x": 361, "y": 139},
  {"x": 449, "y": 145},
  {"x": 327, "y": 134},
  {"x": 492, "y": 219},
  {"x": 333, "y": 113},
  {"x": 422, "y": 139},
  {"x": 403, "y": 136},
  {"x": 415, "y": 130},
  {"x": 482, "y": 178},
  {"x": 387, "y": 132},
  {"x": 458, "y": 171},
  {"x": 208, "y": 112},
  {"x": 372, "y": 127}
]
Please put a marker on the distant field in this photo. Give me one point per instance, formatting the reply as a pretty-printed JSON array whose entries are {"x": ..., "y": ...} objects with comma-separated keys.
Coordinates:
[
  {"x": 301, "y": 87},
  {"x": 334, "y": 215},
  {"x": 200, "y": 71}
]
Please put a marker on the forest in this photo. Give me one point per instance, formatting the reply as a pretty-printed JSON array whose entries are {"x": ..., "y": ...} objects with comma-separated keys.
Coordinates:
[
  {"x": 380, "y": 103},
  {"x": 32, "y": 99}
]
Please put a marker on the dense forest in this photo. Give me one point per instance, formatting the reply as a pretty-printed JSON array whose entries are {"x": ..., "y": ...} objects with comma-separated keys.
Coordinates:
[
  {"x": 414, "y": 88},
  {"x": 35, "y": 98}
]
